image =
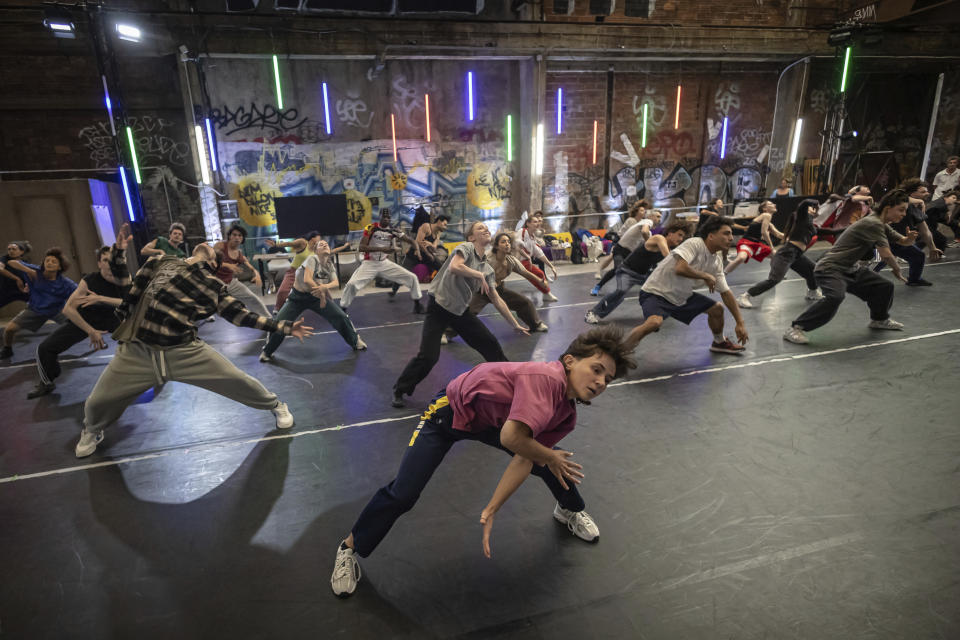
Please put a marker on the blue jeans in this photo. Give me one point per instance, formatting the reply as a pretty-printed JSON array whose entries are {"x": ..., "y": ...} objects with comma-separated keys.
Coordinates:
[
  {"x": 298, "y": 302},
  {"x": 626, "y": 280}
]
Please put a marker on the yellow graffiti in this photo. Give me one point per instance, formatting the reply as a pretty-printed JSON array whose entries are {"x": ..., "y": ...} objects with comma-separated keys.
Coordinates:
[
  {"x": 398, "y": 181},
  {"x": 487, "y": 186},
  {"x": 255, "y": 195},
  {"x": 358, "y": 209}
]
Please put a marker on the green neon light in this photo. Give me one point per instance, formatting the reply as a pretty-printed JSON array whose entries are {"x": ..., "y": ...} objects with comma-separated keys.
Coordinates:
[
  {"x": 846, "y": 67},
  {"x": 276, "y": 77},
  {"x": 133, "y": 154},
  {"x": 509, "y": 138},
  {"x": 643, "y": 141}
]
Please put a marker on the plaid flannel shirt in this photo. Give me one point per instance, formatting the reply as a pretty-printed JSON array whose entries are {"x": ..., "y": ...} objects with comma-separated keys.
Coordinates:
[{"x": 192, "y": 294}]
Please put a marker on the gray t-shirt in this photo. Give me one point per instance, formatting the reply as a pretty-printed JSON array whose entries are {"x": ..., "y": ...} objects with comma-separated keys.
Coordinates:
[
  {"x": 453, "y": 292},
  {"x": 322, "y": 273},
  {"x": 863, "y": 235}
]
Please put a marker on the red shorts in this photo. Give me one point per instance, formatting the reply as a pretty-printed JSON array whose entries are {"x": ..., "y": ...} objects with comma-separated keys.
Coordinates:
[{"x": 756, "y": 250}]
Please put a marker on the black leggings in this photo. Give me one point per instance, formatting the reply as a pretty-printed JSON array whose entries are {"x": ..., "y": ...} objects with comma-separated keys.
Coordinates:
[{"x": 789, "y": 256}]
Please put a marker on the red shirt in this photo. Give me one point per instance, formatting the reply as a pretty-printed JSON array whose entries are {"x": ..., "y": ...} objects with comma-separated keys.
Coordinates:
[{"x": 533, "y": 393}]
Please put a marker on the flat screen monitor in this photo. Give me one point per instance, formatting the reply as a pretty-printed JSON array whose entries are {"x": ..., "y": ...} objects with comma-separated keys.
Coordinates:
[{"x": 298, "y": 215}]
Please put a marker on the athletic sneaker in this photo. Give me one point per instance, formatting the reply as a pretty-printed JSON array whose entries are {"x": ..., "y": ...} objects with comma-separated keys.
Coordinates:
[
  {"x": 591, "y": 318},
  {"x": 361, "y": 345},
  {"x": 890, "y": 325},
  {"x": 744, "y": 300},
  {"x": 813, "y": 294},
  {"x": 919, "y": 283},
  {"x": 346, "y": 572},
  {"x": 398, "y": 401},
  {"x": 542, "y": 327},
  {"x": 41, "y": 389},
  {"x": 6, "y": 352},
  {"x": 796, "y": 336},
  {"x": 444, "y": 339},
  {"x": 88, "y": 443},
  {"x": 549, "y": 297},
  {"x": 579, "y": 523},
  {"x": 595, "y": 291},
  {"x": 283, "y": 416},
  {"x": 727, "y": 346},
  {"x": 265, "y": 358}
]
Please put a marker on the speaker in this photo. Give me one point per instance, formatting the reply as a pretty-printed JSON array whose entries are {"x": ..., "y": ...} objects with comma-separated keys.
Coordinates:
[
  {"x": 563, "y": 7},
  {"x": 473, "y": 7},
  {"x": 637, "y": 8},
  {"x": 602, "y": 7},
  {"x": 367, "y": 6},
  {"x": 237, "y": 6}
]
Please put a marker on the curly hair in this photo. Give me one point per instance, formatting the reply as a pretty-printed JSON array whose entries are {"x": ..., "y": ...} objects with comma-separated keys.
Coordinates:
[
  {"x": 608, "y": 340},
  {"x": 57, "y": 253}
]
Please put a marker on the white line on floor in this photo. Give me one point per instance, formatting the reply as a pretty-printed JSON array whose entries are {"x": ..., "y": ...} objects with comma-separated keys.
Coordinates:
[{"x": 297, "y": 434}]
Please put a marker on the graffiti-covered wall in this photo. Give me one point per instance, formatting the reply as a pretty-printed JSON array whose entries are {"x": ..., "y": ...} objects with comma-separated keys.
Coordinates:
[{"x": 266, "y": 152}]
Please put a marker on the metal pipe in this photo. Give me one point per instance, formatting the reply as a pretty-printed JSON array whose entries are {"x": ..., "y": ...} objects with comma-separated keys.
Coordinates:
[{"x": 933, "y": 124}]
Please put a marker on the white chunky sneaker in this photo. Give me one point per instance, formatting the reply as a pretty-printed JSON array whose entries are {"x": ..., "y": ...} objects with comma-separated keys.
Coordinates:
[
  {"x": 813, "y": 294},
  {"x": 591, "y": 318},
  {"x": 889, "y": 324},
  {"x": 579, "y": 523},
  {"x": 283, "y": 416},
  {"x": 549, "y": 297},
  {"x": 796, "y": 336},
  {"x": 444, "y": 339},
  {"x": 744, "y": 300},
  {"x": 265, "y": 358},
  {"x": 346, "y": 572},
  {"x": 361, "y": 345},
  {"x": 88, "y": 443},
  {"x": 542, "y": 327}
]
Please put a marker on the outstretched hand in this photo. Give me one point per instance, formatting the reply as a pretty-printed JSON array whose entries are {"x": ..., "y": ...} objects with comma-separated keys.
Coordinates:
[
  {"x": 564, "y": 469},
  {"x": 486, "y": 519},
  {"x": 124, "y": 236},
  {"x": 300, "y": 330}
]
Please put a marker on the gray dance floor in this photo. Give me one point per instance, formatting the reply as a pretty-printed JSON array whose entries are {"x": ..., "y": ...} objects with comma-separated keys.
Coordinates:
[{"x": 794, "y": 492}]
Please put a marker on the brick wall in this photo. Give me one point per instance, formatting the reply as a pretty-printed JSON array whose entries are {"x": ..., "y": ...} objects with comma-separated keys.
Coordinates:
[{"x": 749, "y": 13}]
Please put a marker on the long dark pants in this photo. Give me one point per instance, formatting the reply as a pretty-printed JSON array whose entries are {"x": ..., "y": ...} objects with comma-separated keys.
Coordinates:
[
  {"x": 626, "y": 280},
  {"x": 789, "y": 256},
  {"x": 618, "y": 253},
  {"x": 518, "y": 302},
  {"x": 430, "y": 442},
  {"x": 913, "y": 255},
  {"x": 64, "y": 337},
  {"x": 437, "y": 319},
  {"x": 867, "y": 285},
  {"x": 934, "y": 220},
  {"x": 298, "y": 302}
]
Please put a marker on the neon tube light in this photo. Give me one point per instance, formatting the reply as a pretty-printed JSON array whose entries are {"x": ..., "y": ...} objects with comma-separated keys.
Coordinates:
[
  {"x": 133, "y": 154},
  {"x": 126, "y": 193},
  {"x": 109, "y": 103},
  {"x": 723, "y": 142},
  {"x": 202, "y": 154},
  {"x": 796, "y": 140},
  {"x": 643, "y": 140},
  {"x": 594, "y": 142},
  {"x": 846, "y": 67},
  {"x": 470, "y": 95},
  {"x": 276, "y": 78},
  {"x": 426, "y": 106},
  {"x": 509, "y": 138},
  {"x": 538, "y": 168},
  {"x": 560, "y": 110},
  {"x": 393, "y": 132},
  {"x": 326, "y": 110},
  {"x": 676, "y": 118},
  {"x": 213, "y": 151}
]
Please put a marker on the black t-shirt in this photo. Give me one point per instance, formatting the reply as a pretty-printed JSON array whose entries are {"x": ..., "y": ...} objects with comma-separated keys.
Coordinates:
[
  {"x": 913, "y": 218},
  {"x": 753, "y": 232},
  {"x": 641, "y": 260},
  {"x": 937, "y": 210},
  {"x": 6, "y": 284},
  {"x": 101, "y": 316}
]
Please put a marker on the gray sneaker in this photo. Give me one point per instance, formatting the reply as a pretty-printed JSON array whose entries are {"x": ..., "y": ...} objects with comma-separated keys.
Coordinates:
[
  {"x": 743, "y": 300},
  {"x": 579, "y": 523},
  {"x": 796, "y": 336},
  {"x": 346, "y": 572},
  {"x": 888, "y": 324},
  {"x": 591, "y": 318},
  {"x": 88, "y": 443}
]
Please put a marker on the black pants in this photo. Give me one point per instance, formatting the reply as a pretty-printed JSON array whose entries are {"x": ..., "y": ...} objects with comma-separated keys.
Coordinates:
[
  {"x": 934, "y": 220},
  {"x": 867, "y": 285},
  {"x": 430, "y": 442},
  {"x": 66, "y": 335},
  {"x": 913, "y": 255},
  {"x": 789, "y": 256},
  {"x": 437, "y": 319},
  {"x": 626, "y": 280}
]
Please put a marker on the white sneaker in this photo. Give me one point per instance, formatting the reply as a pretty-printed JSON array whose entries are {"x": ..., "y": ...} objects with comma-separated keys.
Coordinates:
[
  {"x": 598, "y": 275},
  {"x": 346, "y": 572},
  {"x": 549, "y": 297},
  {"x": 283, "y": 416},
  {"x": 796, "y": 336},
  {"x": 88, "y": 443},
  {"x": 744, "y": 300},
  {"x": 542, "y": 327},
  {"x": 444, "y": 339},
  {"x": 361, "y": 345},
  {"x": 579, "y": 523},
  {"x": 265, "y": 358},
  {"x": 591, "y": 318},
  {"x": 889, "y": 324},
  {"x": 813, "y": 294}
]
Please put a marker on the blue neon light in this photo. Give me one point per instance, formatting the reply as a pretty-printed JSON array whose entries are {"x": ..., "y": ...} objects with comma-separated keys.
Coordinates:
[
  {"x": 723, "y": 142},
  {"x": 126, "y": 192},
  {"x": 470, "y": 94},
  {"x": 326, "y": 109},
  {"x": 210, "y": 141},
  {"x": 560, "y": 110}
]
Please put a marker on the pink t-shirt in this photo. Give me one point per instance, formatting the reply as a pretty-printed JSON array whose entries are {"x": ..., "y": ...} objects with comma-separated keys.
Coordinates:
[{"x": 533, "y": 393}]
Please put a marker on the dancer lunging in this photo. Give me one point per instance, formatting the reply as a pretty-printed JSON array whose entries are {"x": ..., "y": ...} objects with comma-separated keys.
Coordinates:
[
  {"x": 528, "y": 250},
  {"x": 756, "y": 242},
  {"x": 232, "y": 262},
  {"x": 522, "y": 408},
  {"x": 49, "y": 290},
  {"x": 838, "y": 271},
  {"x": 13, "y": 282},
  {"x": 159, "y": 343}
]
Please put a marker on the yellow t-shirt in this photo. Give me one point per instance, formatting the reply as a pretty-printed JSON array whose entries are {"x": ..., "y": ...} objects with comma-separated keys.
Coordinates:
[{"x": 299, "y": 258}]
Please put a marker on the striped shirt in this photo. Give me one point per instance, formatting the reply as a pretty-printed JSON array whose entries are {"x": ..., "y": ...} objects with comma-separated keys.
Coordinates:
[{"x": 168, "y": 296}]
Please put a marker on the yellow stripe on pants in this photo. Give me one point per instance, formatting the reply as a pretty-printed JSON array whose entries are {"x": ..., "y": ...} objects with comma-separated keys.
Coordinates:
[{"x": 438, "y": 404}]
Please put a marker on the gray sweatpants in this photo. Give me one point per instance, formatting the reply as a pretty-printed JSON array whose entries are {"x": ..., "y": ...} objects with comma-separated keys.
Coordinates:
[
  {"x": 136, "y": 367},
  {"x": 250, "y": 300}
]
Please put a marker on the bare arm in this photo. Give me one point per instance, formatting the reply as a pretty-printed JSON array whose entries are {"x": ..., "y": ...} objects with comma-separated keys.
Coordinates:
[
  {"x": 504, "y": 310},
  {"x": 516, "y": 472},
  {"x": 660, "y": 244},
  {"x": 458, "y": 266},
  {"x": 71, "y": 310},
  {"x": 150, "y": 249},
  {"x": 887, "y": 256},
  {"x": 522, "y": 270},
  {"x": 932, "y": 251}
]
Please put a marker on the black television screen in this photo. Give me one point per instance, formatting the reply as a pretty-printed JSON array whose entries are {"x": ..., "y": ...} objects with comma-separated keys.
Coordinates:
[{"x": 297, "y": 215}]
